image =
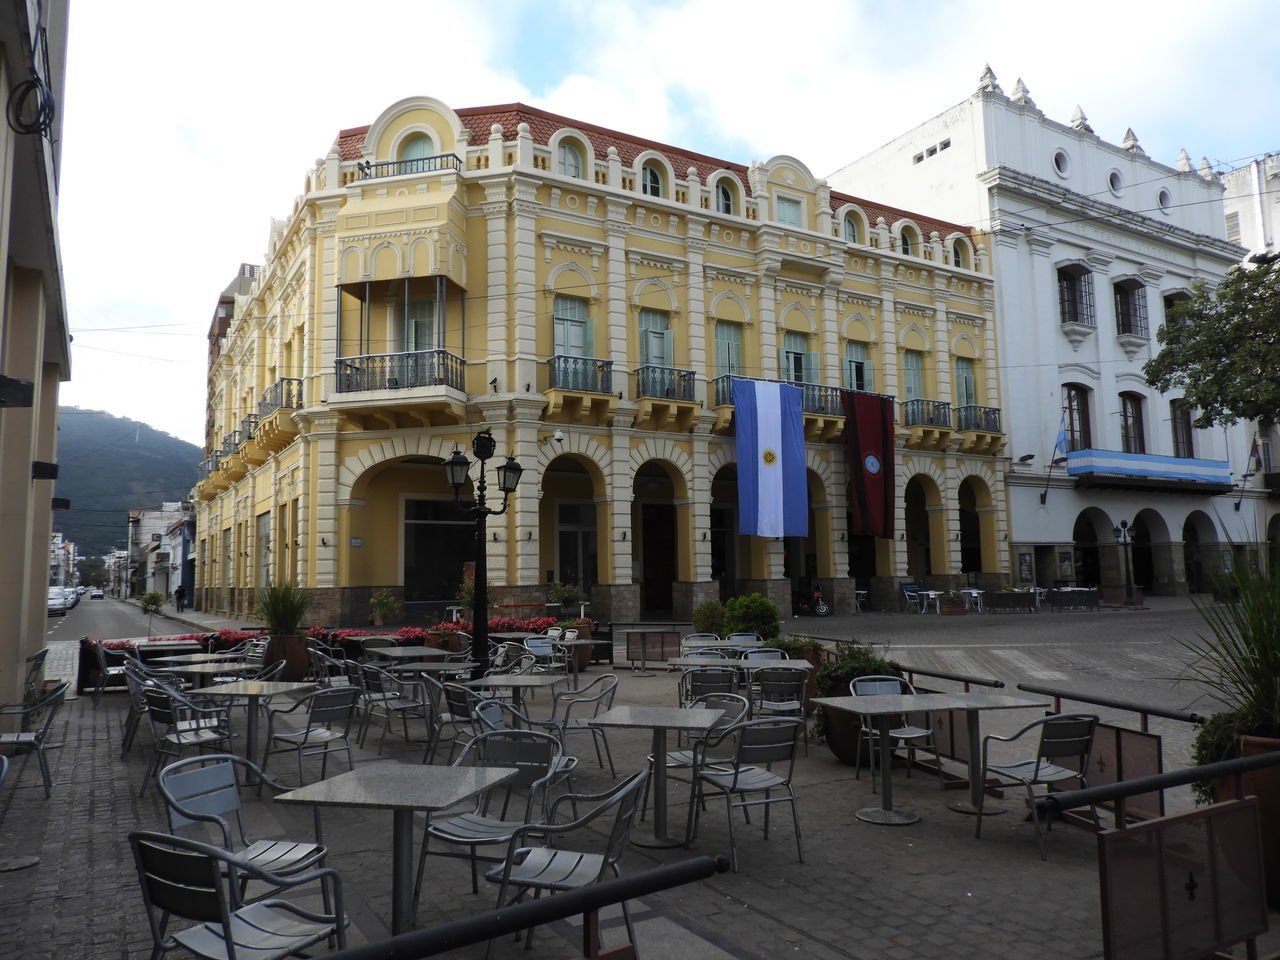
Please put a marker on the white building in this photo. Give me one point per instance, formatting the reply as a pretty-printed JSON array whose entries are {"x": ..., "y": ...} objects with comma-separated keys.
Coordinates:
[
  {"x": 1092, "y": 242},
  {"x": 151, "y": 558},
  {"x": 1251, "y": 205}
]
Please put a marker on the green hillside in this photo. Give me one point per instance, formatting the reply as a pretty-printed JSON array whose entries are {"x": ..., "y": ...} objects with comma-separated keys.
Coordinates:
[{"x": 109, "y": 465}]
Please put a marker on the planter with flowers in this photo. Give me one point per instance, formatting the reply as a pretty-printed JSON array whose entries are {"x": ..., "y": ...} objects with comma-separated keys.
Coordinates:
[{"x": 840, "y": 729}]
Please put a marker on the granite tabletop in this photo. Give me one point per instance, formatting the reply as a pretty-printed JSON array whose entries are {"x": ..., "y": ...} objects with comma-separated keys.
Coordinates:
[
  {"x": 409, "y": 653},
  {"x": 739, "y": 664},
  {"x": 212, "y": 669},
  {"x": 253, "y": 688},
  {"x": 667, "y": 718},
  {"x": 389, "y": 785},
  {"x": 880, "y": 703},
  {"x": 523, "y": 680}
]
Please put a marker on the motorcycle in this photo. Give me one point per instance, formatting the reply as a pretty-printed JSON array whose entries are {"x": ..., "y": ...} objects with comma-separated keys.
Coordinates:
[{"x": 814, "y": 603}]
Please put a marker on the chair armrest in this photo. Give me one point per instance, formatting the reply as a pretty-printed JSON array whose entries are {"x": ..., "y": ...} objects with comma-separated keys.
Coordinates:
[{"x": 552, "y": 827}]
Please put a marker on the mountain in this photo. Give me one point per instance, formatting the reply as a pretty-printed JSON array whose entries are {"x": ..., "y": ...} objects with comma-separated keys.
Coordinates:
[{"x": 109, "y": 465}]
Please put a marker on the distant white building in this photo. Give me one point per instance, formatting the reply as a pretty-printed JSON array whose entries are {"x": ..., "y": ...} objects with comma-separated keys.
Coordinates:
[
  {"x": 1251, "y": 205},
  {"x": 1092, "y": 243},
  {"x": 151, "y": 552}
]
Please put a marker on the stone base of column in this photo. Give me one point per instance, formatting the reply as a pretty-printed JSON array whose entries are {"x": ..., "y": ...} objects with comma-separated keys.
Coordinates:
[
  {"x": 838, "y": 592},
  {"x": 777, "y": 590},
  {"x": 687, "y": 596},
  {"x": 615, "y": 601}
]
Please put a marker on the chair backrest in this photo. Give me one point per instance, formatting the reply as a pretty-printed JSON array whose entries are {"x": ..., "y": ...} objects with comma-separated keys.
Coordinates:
[
  {"x": 461, "y": 701},
  {"x": 693, "y": 639},
  {"x": 744, "y": 638},
  {"x": 539, "y": 646},
  {"x": 534, "y": 754},
  {"x": 734, "y": 708},
  {"x": 203, "y": 789},
  {"x": 623, "y": 799},
  {"x": 707, "y": 655},
  {"x": 4, "y": 768},
  {"x": 1067, "y": 735},
  {"x": 702, "y": 680},
  {"x": 332, "y": 705},
  {"x": 162, "y": 705},
  {"x": 761, "y": 743},
  {"x": 272, "y": 672},
  {"x": 553, "y": 632},
  {"x": 596, "y": 697},
  {"x": 506, "y": 653},
  {"x": 780, "y": 684},
  {"x": 256, "y": 650},
  {"x": 40, "y": 716},
  {"x": 183, "y": 878},
  {"x": 570, "y": 634},
  {"x": 766, "y": 653},
  {"x": 35, "y": 673},
  {"x": 873, "y": 684}
]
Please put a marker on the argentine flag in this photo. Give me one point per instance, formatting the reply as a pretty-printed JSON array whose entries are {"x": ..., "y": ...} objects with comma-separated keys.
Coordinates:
[{"x": 773, "y": 497}]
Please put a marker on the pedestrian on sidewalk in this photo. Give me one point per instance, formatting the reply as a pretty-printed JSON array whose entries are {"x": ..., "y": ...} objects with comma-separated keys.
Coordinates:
[{"x": 179, "y": 597}]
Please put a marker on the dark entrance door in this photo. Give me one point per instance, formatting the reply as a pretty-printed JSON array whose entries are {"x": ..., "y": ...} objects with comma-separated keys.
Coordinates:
[
  {"x": 658, "y": 558},
  {"x": 438, "y": 540}
]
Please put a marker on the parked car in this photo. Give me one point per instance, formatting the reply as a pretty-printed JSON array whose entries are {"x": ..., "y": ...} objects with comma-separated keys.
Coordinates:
[
  {"x": 95, "y": 593},
  {"x": 72, "y": 597},
  {"x": 58, "y": 605}
]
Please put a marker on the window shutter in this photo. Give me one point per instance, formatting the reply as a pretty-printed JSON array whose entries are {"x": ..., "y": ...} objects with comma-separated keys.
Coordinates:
[
  {"x": 668, "y": 355},
  {"x": 811, "y": 368},
  {"x": 588, "y": 337}
]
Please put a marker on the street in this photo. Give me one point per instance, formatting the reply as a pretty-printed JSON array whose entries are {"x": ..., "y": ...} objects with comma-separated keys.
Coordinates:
[{"x": 108, "y": 619}]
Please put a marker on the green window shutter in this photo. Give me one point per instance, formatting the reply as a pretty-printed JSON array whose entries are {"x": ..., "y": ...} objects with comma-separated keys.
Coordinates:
[
  {"x": 588, "y": 338},
  {"x": 668, "y": 349},
  {"x": 812, "y": 368}
]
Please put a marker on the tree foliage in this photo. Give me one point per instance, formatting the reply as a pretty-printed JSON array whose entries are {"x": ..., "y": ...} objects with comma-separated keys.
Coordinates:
[{"x": 1221, "y": 348}]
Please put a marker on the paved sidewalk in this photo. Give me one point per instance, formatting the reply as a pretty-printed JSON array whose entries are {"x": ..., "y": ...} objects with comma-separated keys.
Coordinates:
[{"x": 864, "y": 891}]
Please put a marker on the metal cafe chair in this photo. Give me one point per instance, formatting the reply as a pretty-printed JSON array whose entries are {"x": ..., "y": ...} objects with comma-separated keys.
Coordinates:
[
  {"x": 33, "y": 728},
  {"x": 904, "y": 734}
]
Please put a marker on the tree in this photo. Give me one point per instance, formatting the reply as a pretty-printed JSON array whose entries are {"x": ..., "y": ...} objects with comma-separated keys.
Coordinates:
[{"x": 1221, "y": 348}]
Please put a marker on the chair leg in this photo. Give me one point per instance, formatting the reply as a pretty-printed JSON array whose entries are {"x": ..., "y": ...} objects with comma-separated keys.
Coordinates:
[
  {"x": 44, "y": 771},
  {"x": 733, "y": 843},
  {"x": 1035, "y": 819},
  {"x": 795, "y": 819}
]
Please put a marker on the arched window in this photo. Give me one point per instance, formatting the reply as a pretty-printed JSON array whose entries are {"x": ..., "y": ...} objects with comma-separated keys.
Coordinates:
[
  {"x": 419, "y": 146},
  {"x": 959, "y": 254},
  {"x": 1132, "y": 437},
  {"x": 570, "y": 158},
  {"x": 724, "y": 197},
  {"x": 1180, "y": 420},
  {"x": 850, "y": 228},
  {"x": 651, "y": 180},
  {"x": 909, "y": 242},
  {"x": 1075, "y": 404}
]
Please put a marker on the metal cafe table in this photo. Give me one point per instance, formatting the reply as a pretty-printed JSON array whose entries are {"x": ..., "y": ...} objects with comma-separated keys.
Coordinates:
[
  {"x": 201, "y": 671},
  {"x": 401, "y": 788},
  {"x": 435, "y": 666},
  {"x": 517, "y": 683},
  {"x": 254, "y": 691},
  {"x": 885, "y": 707},
  {"x": 659, "y": 720},
  {"x": 197, "y": 658},
  {"x": 749, "y": 665},
  {"x": 411, "y": 653}
]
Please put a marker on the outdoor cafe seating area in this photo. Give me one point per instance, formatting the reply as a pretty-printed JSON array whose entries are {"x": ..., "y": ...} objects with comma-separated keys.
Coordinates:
[{"x": 477, "y": 778}]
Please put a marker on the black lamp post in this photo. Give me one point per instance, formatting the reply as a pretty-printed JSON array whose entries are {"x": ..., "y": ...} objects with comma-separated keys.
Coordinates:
[
  {"x": 455, "y": 472},
  {"x": 1122, "y": 536}
]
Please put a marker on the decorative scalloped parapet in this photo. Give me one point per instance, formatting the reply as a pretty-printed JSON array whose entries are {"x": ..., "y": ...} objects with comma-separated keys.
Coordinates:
[{"x": 987, "y": 82}]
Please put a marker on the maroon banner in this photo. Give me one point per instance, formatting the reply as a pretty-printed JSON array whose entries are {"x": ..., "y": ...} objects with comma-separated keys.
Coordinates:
[{"x": 868, "y": 436}]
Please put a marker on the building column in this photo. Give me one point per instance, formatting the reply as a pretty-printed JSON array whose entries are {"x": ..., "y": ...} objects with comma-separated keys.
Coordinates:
[{"x": 323, "y": 441}]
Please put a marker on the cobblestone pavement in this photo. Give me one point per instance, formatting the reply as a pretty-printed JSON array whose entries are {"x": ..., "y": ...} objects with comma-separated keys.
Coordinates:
[{"x": 864, "y": 891}]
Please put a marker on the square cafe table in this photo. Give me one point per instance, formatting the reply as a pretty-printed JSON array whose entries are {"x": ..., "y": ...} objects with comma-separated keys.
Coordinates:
[
  {"x": 748, "y": 665},
  {"x": 886, "y": 706},
  {"x": 401, "y": 788},
  {"x": 659, "y": 720},
  {"x": 199, "y": 671},
  {"x": 253, "y": 691},
  {"x": 197, "y": 658},
  {"x": 410, "y": 653},
  {"x": 517, "y": 683}
]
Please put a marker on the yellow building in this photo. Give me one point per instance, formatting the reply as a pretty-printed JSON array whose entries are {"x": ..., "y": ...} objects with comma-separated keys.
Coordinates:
[{"x": 589, "y": 296}]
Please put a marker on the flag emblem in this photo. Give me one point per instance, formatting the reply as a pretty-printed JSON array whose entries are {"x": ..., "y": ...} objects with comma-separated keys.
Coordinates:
[
  {"x": 772, "y": 490},
  {"x": 872, "y": 464},
  {"x": 770, "y": 458}
]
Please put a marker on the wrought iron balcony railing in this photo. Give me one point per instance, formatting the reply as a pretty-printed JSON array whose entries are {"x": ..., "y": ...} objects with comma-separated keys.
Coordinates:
[
  {"x": 394, "y": 168},
  {"x": 209, "y": 465},
  {"x": 827, "y": 401},
  {"x": 249, "y": 426},
  {"x": 398, "y": 371},
  {"x": 284, "y": 394},
  {"x": 972, "y": 417},
  {"x": 666, "y": 383},
  {"x": 587, "y": 374},
  {"x": 231, "y": 442},
  {"x": 926, "y": 413}
]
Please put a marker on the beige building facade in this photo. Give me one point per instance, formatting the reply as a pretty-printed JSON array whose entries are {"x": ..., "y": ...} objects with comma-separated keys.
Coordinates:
[{"x": 590, "y": 297}]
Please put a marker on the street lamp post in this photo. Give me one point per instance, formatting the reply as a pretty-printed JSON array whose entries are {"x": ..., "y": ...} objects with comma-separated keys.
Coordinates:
[
  {"x": 1122, "y": 535},
  {"x": 455, "y": 471}
]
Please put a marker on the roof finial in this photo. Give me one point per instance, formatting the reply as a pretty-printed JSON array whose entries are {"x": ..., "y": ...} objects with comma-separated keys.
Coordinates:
[
  {"x": 987, "y": 82},
  {"x": 1131, "y": 143},
  {"x": 1205, "y": 170},
  {"x": 1183, "y": 162},
  {"x": 1021, "y": 94},
  {"x": 1080, "y": 121}
]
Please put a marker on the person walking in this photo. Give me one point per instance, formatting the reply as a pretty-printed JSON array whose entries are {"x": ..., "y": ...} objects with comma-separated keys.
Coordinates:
[{"x": 179, "y": 597}]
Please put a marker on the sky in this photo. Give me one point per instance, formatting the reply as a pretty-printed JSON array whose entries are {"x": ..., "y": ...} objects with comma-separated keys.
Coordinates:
[{"x": 187, "y": 127}]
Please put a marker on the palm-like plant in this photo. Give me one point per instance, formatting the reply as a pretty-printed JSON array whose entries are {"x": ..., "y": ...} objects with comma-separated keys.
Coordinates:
[{"x": 282, "y": 606}]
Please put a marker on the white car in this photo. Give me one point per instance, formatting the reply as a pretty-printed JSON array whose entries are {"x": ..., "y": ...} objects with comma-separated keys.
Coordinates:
[
  {"x": 95, "y": 593},
  {"x": 58, "y": 605}
]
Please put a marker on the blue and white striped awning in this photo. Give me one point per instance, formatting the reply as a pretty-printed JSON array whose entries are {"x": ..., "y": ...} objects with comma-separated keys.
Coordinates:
[{"x": 1084, "y": 463}]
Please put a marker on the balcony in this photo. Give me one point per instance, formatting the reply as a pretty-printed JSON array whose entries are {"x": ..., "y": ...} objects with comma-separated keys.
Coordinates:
[
  {"x": 212, "y": 480},
  {"x": 397, "y": 168},
  {"x": 580, "y": 390},
  {"x": 416, "y": 388},
  {"x": 928, "y": 423},
  {"x": 823, "y": 408},
  {"x": 979, "y": 428},
  {"x": 233, "y": 465},
  {"x": 250, "y": 452},
  {"x": 231, "y": 442},
  {"x": 1114, "y": 469},
  {"x": 276, "y": 428},
  {"x": 665, "y": 398}
]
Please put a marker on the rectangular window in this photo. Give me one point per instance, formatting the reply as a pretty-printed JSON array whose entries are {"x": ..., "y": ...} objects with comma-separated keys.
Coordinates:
[
  {"x": 1180, "y": 419},
  {"x": 1131, "y": 308},
  {"x": 655, "y": 338},
  {"x": 966, "y": 385},
  {"x": 1132, "y": 438},
  {"x": 857, "y": 367},
  {"x": 572, "y": 327},
  {"x": 1075, "y": 296},
  {"x": 1233, "y": 227},
  {"x": 1075, "y": 401},
  {"x": 788, "y": 211},
  {"x": 728, "y": 349},
  {"x": 418, "y": 324},
  {"x": 912, "y": 375},
  {"x": 794, "y": 353}
]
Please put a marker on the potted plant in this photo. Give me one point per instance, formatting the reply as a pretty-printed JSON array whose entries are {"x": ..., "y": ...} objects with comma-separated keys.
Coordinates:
[
  {"x": 583, "y": 625},
  {"x": 384, "y": 607},
  {"x": 1239, "y": 662},
  {"x": 951, "y": 603},
  {"x": 567, "y": 597},
  {"x": 708, "y": 617},
  {"x": 753, "y": 613},
  {"x": 282, "y": 607},
  {"x": 840, "y": 729}
]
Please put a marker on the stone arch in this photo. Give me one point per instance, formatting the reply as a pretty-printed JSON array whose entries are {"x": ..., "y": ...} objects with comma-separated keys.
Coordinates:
[
  {"x": 913, "y": 337},
  {"x": 386, "y": 262},
  {"x": 905, "y": 226},
  {"x": 852, "y": 210},
  {"x": 958, "y": 241},
  {"x": 964, "y": 345},
  {"x": 354, "y": 467},
  {"x": 579, "y": 140},
  {"x": 1151, "y": 553},
  {"x": 665, "y": 451},
  {"x": 673, "y": 302},
  {"x": 553, "y": 278},
  {"x": 351, "y": 265},
  {"x": 784, "y": 161},
  {"x": 924, "y": 525},
  {"x": 583, "y": 447},
  {"x": 732, "y": 297},
  {"x": 857, "y": 326},
  {"x": 654, "y": 158},
  {"x": 978, "y": 522},
  {"x": 785, "y": 312},
  {"x": 736, "y": 191},
  {"x": 379, "y": 128},
  {"x": 422, "y": 257}
]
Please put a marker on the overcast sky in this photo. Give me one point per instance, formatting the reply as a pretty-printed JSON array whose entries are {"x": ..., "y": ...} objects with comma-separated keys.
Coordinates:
[{"x": 188, "y": 126}]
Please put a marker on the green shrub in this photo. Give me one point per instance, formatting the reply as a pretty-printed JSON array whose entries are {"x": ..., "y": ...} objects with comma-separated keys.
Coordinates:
[
  {"x": 852, "y": 659},
  {"x": 708, "y": 617},
  {"x": 151, "y": 602},
  {"x": 567, "y": 595},
  {"x": 754, "y": 613}
]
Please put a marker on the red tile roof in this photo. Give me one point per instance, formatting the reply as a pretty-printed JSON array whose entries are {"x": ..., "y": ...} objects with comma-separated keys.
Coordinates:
[{"x": 543, "y": 125}]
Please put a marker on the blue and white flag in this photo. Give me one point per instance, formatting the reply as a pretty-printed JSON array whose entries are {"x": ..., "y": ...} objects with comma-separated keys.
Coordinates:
[
  {"x": 1060, "y": 445},
  {"x": 773, "y": 496}
]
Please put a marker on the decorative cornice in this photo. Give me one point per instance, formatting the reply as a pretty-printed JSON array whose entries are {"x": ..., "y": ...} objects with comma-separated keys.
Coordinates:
[{"x": 570, "y": 243}]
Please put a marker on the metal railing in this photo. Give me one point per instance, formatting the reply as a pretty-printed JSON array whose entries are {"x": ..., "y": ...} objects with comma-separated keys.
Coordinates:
[
  {"x": 210, "y": 464},
  {"x": 1144, "y": 711},
  {"x": 667, "y": 383},
  {"x": 398, "y": 371},
  {"x": 492, "y": 924},
  {"x": 394, "y": 168},
  {"x": 965, "y": 679},
  {"x": 816, "y": 398},
  {"x": 284, "y": 394},
  {"x": 249, "y": 426},
  {"x": 926, "y": 413},
  {"x": 588, "y": 374},
  {"x": 973, "y": 417},
  {"x": 231, "y": 442},
  {"x": 722, "y": 390}
]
